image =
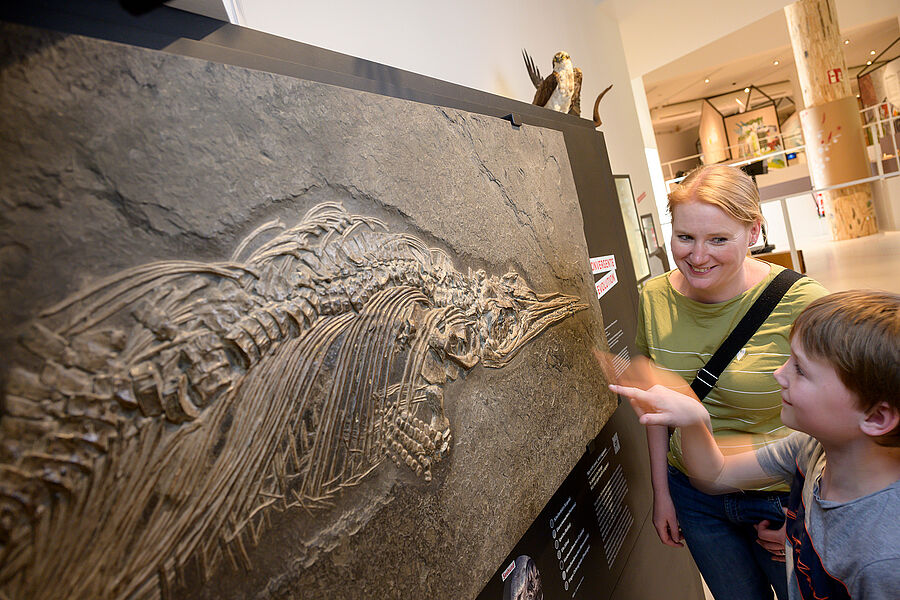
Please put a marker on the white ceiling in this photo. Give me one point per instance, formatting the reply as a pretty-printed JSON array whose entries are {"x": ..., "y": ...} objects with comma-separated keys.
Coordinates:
[
  {"x": 654, "y": 32},
  {"x": 746, "y": 57}
]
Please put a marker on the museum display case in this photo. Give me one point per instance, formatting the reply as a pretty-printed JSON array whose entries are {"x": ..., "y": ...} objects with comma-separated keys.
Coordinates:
[{"x": 282, "y": 322}]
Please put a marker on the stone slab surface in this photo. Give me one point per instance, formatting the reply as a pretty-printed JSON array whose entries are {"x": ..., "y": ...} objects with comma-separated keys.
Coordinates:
[{"x": 115, "y": 157}]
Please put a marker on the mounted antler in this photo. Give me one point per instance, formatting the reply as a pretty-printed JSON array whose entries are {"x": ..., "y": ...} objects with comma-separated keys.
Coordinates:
[{"x": 597, "y": 121}]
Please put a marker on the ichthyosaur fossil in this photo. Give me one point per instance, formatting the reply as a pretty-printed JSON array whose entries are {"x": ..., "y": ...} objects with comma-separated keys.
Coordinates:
[{"x": 167, "y": 409}]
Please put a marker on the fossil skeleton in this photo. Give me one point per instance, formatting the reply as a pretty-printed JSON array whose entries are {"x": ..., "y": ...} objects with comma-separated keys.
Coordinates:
[{"x": 170, "y": 407}]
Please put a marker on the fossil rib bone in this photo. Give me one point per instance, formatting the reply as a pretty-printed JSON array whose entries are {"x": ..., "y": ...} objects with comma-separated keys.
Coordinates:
[{"x": 170, "y": 407}]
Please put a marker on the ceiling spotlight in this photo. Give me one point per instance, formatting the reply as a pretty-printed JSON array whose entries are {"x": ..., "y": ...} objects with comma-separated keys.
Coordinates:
[
  {"x": 868, "y": 62},
  {"x": 706, "y": 80},
  {"x": 746, "y": 90},
  {"x": 775, "y": 62},
  {"x": 846, "y": 42},
  {"x": 871, "y": 53}
]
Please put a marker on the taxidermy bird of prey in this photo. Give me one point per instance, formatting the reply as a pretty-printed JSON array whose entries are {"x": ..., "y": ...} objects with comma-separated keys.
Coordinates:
[{"x": 561, "y": 89}]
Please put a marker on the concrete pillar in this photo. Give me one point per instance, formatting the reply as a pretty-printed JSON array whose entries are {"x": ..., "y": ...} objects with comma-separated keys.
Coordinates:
[{"x": 835, "y": 147}]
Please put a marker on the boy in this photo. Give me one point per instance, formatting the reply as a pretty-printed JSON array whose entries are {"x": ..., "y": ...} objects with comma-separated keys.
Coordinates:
[{"x": 841, "y": 389}]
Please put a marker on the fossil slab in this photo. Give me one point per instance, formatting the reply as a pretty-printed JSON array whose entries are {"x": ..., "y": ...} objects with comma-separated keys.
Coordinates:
[{"x": 271, "y": 338}]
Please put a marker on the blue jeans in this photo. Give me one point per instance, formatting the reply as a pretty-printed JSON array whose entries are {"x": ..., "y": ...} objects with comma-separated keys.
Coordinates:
[{"x": 720, "y": 535}]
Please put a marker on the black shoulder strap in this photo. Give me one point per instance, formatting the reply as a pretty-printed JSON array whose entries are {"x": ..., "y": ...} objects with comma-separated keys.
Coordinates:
[{"x": 708, "y": 376}]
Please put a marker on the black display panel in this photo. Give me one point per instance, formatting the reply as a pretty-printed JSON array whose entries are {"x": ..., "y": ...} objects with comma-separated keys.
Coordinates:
[{"x": 579, "y": 544}]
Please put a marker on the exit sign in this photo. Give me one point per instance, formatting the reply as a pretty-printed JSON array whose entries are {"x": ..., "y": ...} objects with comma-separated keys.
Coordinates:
[{"x": 834, "y": 75}]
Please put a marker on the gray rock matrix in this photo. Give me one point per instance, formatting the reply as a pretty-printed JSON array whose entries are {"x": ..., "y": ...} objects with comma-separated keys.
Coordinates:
[{"x": 115, "y": 157}]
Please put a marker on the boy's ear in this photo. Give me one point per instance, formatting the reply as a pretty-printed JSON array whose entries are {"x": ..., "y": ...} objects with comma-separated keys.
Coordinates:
[{"x": 881, "y": 420}]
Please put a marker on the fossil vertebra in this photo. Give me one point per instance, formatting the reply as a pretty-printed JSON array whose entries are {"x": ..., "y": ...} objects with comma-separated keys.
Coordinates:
[{"x": 168, "y": 408}]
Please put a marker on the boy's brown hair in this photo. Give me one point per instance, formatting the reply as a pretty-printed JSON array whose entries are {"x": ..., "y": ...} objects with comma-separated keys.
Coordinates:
[{"x": 858, "y": 333}]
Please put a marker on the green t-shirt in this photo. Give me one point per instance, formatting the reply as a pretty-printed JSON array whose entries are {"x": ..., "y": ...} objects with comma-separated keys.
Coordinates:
[{"x": 680, "y": 335}]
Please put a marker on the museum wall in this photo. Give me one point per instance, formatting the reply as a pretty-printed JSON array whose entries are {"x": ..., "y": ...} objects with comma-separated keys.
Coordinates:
[
  {"x": 478, "y": 44},
  {"x": 673, "y": 145}
]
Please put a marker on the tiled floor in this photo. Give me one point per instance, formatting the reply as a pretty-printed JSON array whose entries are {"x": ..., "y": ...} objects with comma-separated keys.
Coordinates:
[{"x": 869, "y": 262}]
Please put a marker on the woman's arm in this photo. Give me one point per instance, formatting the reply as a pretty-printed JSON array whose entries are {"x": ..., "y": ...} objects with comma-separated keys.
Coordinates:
[{"x": 664, "y": 518}]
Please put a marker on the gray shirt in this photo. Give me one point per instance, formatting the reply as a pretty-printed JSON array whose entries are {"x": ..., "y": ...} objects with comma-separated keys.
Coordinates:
[{"x": 834, "y": 549}]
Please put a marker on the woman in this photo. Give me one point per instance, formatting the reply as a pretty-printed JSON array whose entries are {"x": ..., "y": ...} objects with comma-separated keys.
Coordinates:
[{"x": 684, "y": 317}]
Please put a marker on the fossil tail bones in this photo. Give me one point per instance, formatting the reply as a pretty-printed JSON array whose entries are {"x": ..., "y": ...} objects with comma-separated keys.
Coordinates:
[{"x": 168, "y": 409}]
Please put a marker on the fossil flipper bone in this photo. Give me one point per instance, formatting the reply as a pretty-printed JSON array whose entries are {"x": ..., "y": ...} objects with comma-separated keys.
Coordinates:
[{"x": 178, "y": 402}]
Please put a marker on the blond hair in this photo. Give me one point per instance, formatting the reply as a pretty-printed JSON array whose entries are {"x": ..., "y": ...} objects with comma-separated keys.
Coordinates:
[
  {"x": 729, "y": 188},
  {"x": 858, "y": 333}
]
